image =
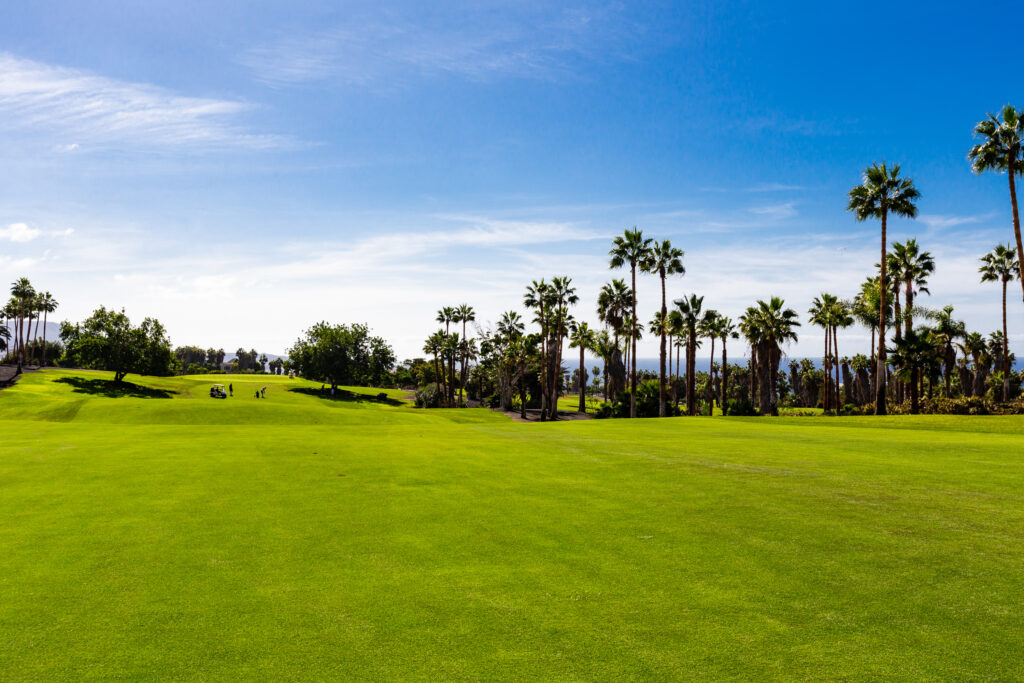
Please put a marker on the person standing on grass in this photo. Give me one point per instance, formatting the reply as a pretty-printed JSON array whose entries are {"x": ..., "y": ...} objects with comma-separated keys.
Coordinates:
[
  {"x": 231, "y": 389},
  {"x": 263, "y": 392}
]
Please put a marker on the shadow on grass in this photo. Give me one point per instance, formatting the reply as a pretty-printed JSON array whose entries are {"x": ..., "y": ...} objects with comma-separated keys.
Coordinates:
[
  {"x": 112, "y": 389},
  {"x": 347, "y": 396}
]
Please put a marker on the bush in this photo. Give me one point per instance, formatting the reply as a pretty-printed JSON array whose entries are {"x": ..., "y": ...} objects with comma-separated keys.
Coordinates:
[
  {"x": 739, "y": 407},
  {"x": 429, "y": 396}
]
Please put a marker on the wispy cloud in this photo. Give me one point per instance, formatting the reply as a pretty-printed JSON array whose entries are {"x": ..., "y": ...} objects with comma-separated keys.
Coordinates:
[
  {"x": 775, "y": 212},
  {"x": 19, "y": 232},
  {"x": 480, "y": 46},
  {"x": 937, "y": 222},
  {"x": 775, "y": 187},
  {"x": 76, "y": 111}
]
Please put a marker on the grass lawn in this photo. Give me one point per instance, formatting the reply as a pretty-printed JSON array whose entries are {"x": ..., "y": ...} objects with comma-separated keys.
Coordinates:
[{"x": 156, "y": 533}]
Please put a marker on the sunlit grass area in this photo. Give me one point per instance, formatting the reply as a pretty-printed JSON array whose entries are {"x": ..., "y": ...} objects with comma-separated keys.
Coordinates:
[{"x": 151, "y": 532}]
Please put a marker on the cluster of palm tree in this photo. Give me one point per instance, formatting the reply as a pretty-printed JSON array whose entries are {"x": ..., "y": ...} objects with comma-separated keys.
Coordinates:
[
  {"x": 17, "y": 333},
  {"x": 449, "y": 350},
  {"x": 885, "y": 303}
]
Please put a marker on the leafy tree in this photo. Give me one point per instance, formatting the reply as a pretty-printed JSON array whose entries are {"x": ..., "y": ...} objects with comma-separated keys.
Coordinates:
[
  {"x": 1000, "y": 151},
  {"x": 342, "y": 355},
  {"x": 106, "y": 340},
  {"x": 882, "y": 192},
  {"x": 634, "y": 249},
  {"x": 1001, "y": 265}
]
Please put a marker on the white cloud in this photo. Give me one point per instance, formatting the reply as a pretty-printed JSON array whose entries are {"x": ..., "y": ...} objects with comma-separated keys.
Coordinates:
[
  {"x": 775, "y": 212},
  {"x": 482, "y": 45},
  {"x": 937, "y": 222},
  {"x": 19, "y": 232},
  {"x": 100, "y": 112}
]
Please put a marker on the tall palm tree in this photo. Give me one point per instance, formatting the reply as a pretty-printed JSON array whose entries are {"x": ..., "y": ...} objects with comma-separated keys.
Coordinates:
[
  {"x": 709, "y": 329},
  {"x": 23, "y": 294},
  {"x": 631, "y": 248},
  {"x": 882, "y": 192},
  {"x": 1000, "y": 150},
  {"x": 563, "y": 295},
  {"x": 434, "y": 346},
  {"x": 689, "y": 310},
  {"x": 1001, "y": 265},
  {"x": 582, "y": 338},
  {"x": 915, "y": 266},
  {"x": 772, "y": 325},
  {"x": 726, "y": 330},
  {"x": 48, "y": 305},
  {"x": 464, "y": 314},
  {"x": 663, "y": 259},
  {"x": 945, "y": 331},
  {"x": 538, "y": 297},
  {"x": 822, "y": 313}
]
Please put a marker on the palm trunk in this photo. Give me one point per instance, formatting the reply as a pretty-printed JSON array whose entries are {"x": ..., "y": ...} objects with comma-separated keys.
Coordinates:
[
  {"x": 632, "y": 379},
  {"x": 1004, "y": 324},
  {"x": 827, "y": 398},
  {"x": 691, "y": 348},
  {"x": 880, "y": 407},
  {"x": 914, "y": 391},
  {"x": 897, "y": 336},
  {"x": 725, "y": 376},
  {"x": 583, "y": 383},
  {"x": 661, "y": 369},
  {"x": 711, "y": 381},
  {"x": 1012, "y": 168},
  {"x": 1006, "y": 351},
  {"x": 835, "y": 348},
  {"x": 675, "y": 384}
]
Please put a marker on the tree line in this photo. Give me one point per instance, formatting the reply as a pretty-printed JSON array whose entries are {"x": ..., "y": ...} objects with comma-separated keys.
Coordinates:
[{"x": 906, "y": 360}]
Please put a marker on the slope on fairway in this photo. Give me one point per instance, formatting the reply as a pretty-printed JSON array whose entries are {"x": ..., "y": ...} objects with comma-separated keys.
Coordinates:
[
  {"x": 425, "y": 548},
  {"x": 89, "y": 396}
]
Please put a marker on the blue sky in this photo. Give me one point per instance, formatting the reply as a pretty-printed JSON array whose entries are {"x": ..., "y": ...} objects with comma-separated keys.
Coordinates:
[{"x": 241, "y": 170}]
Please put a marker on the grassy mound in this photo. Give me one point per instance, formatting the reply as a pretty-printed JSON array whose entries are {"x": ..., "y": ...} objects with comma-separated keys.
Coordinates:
[{"x": 295, "y": 537}]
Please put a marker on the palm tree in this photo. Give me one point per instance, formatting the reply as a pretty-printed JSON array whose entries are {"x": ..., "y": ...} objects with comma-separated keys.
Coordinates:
[
  {"x": 434, "y": 346},
  {"x": 538, "y": 296},
  {"x": 726, "y": 330},
  {"x": 912, "y": 354},
  {"x": 1000, "y": 151},
  {"x": 582, "y": 338},
  {"x": 1001, "y": 265},
  {"x": 944, "y": 332},
  {"x": 23, "y": 294},
  {"x": 689, "y": 311},
  {"x": 772, "y": 325},
  {"x": 664, "y": 260},
  {"x": 563, "y": 295},
  {"x": 48, "y": 305},
  {"x": 709, "y": 329},
  {"x": 883, "y": 192},
  {"x": 915, "y": 266},
  {"x": 605, "y": 347},
  {"x": 822, "y": 313},
  {"x": 632, "y": 248},
  {"x": 464, "y": 314}
]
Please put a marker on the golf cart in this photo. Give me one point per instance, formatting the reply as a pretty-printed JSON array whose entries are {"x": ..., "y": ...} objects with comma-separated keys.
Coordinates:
[{"x": 218, "y": 391}]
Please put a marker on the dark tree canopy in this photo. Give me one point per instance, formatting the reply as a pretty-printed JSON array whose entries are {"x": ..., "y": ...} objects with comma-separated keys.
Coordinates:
[
  {"x": 342, "y": 355},
  {"x": 106, "y": 340}
]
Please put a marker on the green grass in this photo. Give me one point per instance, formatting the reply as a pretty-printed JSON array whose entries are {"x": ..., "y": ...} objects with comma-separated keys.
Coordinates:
[{"x": 294, "y": 537}]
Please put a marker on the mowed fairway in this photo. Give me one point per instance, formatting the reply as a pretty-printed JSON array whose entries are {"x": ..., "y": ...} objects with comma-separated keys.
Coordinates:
[{"x": 294, "y": 537}]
